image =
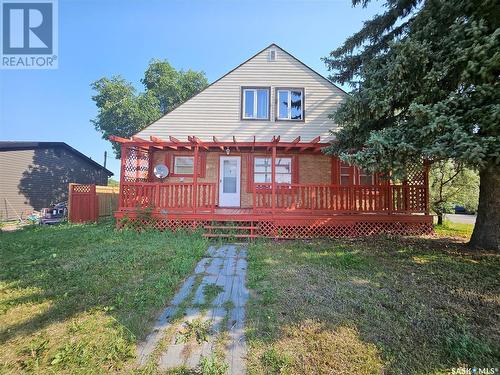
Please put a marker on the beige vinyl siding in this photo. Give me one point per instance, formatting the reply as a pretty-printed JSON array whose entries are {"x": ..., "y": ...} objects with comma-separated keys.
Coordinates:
[{"x": 216, "y": 111}]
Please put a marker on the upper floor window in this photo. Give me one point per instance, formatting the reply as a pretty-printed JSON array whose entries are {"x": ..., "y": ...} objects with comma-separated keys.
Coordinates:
[
  {"x": 255, "y": 103},
  {"x": 290, "y": 104}
]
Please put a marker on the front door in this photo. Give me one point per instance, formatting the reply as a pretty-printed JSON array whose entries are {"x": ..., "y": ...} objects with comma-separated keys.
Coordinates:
[{"x": 229, "y": 181}]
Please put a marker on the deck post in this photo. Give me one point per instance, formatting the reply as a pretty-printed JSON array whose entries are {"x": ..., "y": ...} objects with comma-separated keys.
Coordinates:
[
  {"x": 195, "y": 178},
  {"x": 123, "y": 152},
  {"x": 426, "y": 186},
  {"x": 273, "y": 180}
]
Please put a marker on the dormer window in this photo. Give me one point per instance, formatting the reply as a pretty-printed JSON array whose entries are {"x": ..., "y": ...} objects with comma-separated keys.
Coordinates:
[
  {"x": 255, "y": 103},
  {"x": 290, "y": 104}
]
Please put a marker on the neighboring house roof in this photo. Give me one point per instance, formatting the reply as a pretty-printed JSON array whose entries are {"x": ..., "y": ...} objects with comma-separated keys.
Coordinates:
[
  {"x": 26, "y": 145},
  {"x": 216, "y": 110}
]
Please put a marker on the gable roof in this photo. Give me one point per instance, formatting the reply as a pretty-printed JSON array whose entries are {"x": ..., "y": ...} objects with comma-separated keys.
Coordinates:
[
  {"x": 28, "y": 145},
  {"x": 175, "y": 127}
]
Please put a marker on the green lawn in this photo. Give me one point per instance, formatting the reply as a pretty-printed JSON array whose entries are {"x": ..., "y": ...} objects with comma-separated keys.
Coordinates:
[
  {"x": 401, "y": 306},
  {"x": 76, "y": 298},
  {"x": 449, "y": 229}
]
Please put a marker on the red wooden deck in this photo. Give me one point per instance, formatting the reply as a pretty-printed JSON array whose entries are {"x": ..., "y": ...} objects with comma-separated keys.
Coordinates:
[{"x": 278, "y": 210}]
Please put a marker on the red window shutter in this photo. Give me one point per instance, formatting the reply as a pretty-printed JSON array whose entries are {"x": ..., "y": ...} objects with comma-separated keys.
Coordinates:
[
  {"x": 151, "y": 176},
  {"x": 167, "y": 161},
  {"x": 249, "y": 173},
  {"x": 203, "y": 164},
  {"x": 295, "y": 169},
  {"x": 335, "y": 171}
]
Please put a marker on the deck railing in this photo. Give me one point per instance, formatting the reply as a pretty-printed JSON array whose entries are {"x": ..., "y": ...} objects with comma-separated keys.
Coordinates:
[
  {"x": 288, "y": 197},
  {"x": 167, "y": 196},
  {"x": 341, "y": 198}
]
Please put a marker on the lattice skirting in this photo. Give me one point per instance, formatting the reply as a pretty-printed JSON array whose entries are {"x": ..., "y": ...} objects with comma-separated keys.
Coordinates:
[
  {"x": 357, "y": 229},
  {"x": 294, "y": 229}
]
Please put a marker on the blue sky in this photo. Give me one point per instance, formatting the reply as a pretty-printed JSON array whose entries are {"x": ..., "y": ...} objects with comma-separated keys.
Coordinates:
[{"x": 103, "y": 38}]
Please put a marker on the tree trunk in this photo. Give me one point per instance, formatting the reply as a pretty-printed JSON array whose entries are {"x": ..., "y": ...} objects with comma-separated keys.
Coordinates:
[
  {"x": 440, "y": 218},
  {"x": 486, "y": 233}
]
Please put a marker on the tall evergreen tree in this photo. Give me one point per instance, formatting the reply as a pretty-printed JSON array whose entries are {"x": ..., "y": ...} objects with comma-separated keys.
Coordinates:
[{"x": 425, "y": 79}]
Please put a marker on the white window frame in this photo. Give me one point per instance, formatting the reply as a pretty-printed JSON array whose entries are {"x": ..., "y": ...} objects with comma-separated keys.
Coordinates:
[
  {"x": 271, "y": 170},
  {"x": 289, "y": 105},
  {"x": 363, "y": 173},
  {"x": 176, "y": 158},
  {"x": 272, "y": 55},
  {"x": 349, "y": 174},
  {"x": 255, "y": 100}
]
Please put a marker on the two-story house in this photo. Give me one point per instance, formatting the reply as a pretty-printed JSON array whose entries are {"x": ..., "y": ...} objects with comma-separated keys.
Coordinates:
[{"x": 248, "y": 150}]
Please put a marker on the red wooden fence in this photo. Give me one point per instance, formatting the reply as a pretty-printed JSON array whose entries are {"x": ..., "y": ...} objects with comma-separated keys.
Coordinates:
[{"x": 83, "y": 203}]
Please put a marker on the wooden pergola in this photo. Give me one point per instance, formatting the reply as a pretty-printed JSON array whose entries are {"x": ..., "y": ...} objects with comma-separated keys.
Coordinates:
[{"x": 194, "y": 144}]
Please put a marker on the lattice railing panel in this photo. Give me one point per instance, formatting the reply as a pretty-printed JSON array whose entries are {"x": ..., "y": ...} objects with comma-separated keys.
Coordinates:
[
  {"x": 136, "y": 167},
  {"x": 416, "y": 190}
]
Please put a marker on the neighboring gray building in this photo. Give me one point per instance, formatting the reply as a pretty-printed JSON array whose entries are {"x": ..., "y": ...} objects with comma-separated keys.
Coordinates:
[{"x": 34, "y": 175}]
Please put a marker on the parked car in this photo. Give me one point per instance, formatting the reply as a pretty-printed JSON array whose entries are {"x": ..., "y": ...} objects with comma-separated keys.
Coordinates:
[{"x": 463, "y": 210}]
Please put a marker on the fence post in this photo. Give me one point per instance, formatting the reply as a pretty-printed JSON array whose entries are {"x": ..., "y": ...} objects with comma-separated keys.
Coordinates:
[
  {"x": 194, "y": 190},
  {"x": 426, "y": 186},
  {"x": 70, "y": 195},
  {"x": 273, "y": 180}
]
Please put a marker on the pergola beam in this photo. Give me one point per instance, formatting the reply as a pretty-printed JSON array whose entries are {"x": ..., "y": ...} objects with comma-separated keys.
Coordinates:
[
  {"x": 162, "y": 142},
  {"x": 179, "y": 143},
  {"x": 197, "y": 141},
  {"x": 311, "y": 144},
  {"x": 295, "y": 141},
  {"x": 236, "y": 144},
  {"x": 115, "y": 138},
  {"x": 216, "y": 141}
]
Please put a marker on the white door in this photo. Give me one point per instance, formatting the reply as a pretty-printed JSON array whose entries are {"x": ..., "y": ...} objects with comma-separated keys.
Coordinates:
[{"x": 229, "y": 181}]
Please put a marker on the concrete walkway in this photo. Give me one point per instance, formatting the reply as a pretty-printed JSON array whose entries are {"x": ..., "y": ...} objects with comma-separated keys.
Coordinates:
[{"x": 224, "y": 271}]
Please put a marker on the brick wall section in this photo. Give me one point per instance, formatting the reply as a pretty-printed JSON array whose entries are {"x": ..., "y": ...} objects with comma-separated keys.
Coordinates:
[{"x": 313, "y": 169}]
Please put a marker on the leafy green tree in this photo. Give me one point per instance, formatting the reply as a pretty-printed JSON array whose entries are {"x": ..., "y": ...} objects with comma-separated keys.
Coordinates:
[
  {"x": 124, "y": 112},
  {"x": 121, "y": 111},
  {"x": 113, "y": 182},
  {"x": 425, "y": 79},
  {"x": 170, "y": 86},
  {"x": 451, "y": 184}
]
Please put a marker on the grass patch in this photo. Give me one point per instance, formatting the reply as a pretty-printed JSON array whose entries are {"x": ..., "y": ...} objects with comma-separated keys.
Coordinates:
[
  {"x": 213, "y": 365},
  {"x": 197, "y": 329},
  {"x": 77, "y": 298},
  {"x": 391, "y": 305},
  {"x": 450, "y": 229},
  {"x": 210, "y": 291}
]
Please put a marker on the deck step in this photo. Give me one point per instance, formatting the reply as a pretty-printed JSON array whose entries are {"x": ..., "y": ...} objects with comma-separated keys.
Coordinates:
[
  {"x": 213, "y": 235},
  {"x": 227, "y": 227}
]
